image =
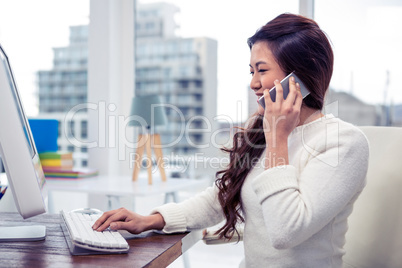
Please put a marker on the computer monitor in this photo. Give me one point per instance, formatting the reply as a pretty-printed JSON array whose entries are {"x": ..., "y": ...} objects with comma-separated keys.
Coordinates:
[{"x": 20, "y": 159}]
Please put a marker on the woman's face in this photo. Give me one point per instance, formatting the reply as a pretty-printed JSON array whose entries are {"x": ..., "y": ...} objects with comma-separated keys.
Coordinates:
[{"x": 264, "y": 70}]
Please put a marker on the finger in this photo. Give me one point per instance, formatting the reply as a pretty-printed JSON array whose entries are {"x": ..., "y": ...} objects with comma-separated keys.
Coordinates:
[
  {"x": 119, "y": 225},
  {"x": 299, "y": 97},
  {"x": 115, "y": 218},
  {"x": 292, "y": 90},
  {"x": 267, "y": 98},
  {"x": 279, "y": 92},
  {"x": 103, "y": 218},
  {"x": 120, "y": 216},
  {"x": 129, "y": 226}
]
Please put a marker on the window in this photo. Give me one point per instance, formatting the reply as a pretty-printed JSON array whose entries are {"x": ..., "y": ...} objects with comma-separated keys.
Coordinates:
[
  {"x": 167, "y": 72},
  {"x": 198, "y": 97},
  {"x": 172, "y": 48},
  {"x": 71, "y": 132},
  {"x": 185, "y": 71},
  {"x": 187, "y": 46},
  {"x": 59, "y": 129},
  {"x": 198, "y": 83},
  {"x": 184, "y": 84},
  {"x": 185, "y": 111},
  {"x": 84, "y": 129},
  {"x": 149, "y": 26}
]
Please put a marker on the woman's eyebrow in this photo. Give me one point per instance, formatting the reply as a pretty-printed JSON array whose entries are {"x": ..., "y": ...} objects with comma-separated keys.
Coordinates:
[{"x": 258, "y": 63}]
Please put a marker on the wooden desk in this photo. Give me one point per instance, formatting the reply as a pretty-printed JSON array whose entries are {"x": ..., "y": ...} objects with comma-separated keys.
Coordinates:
[{"x": 146, "y": 250}]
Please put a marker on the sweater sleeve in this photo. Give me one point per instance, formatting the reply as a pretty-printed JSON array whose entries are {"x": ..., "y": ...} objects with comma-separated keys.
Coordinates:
[
  {"x": 298, "y": 204},
  {"x": 201, "y": 211}
]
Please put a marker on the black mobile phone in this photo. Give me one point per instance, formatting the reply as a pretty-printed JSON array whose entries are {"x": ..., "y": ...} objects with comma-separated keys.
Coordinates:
[{"x": 285, "y": 86}]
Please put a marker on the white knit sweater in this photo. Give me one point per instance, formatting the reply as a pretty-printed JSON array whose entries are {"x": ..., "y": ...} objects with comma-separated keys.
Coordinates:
[{"x": 295, "y": 215}]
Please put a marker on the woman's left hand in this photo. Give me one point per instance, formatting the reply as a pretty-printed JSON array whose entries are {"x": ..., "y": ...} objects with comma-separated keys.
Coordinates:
[{"x": 282, "y": 116}]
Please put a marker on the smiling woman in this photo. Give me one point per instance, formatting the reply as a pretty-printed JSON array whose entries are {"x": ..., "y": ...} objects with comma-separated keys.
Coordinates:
[
  {"x": 289, "y": 179},
  {"x": 313, "y": 66}
]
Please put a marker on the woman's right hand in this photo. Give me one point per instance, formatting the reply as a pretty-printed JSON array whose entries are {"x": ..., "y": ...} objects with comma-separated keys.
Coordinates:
[{"x": 123, "y": 219}]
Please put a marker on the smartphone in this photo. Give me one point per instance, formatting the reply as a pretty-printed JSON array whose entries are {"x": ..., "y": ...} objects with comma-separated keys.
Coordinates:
[{"x": 285, "y": 86}]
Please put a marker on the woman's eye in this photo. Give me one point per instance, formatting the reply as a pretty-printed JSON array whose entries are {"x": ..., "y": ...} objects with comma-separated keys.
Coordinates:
[
  {"x": 252, "y": 73},
  {"x": 261, "y": 71}
]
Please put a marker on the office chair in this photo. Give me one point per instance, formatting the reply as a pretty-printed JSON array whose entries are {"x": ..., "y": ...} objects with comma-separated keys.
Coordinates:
[{"x": 374, "y": 238}]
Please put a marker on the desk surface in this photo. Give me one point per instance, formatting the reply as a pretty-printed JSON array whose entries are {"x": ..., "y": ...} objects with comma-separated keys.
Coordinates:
[
  {"x": 146, "y": 250},
  {"x": 123, "y": 185}
]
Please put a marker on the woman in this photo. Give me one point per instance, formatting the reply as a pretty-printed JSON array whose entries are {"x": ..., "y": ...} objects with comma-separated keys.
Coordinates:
[{"x": 294, "y": 173}]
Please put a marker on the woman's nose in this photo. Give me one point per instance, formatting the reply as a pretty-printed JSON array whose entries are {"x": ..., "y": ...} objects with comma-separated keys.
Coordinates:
[{"x": 255, "y": 84}]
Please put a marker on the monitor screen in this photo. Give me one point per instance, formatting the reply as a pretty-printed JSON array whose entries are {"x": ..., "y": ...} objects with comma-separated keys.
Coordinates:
[
  {"x": 17, "y": 147},
  {"x": 17, "y": 101}
]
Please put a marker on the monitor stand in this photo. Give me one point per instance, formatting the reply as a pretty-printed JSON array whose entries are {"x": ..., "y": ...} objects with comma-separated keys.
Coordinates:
[
  {"x": 17, "y": 233},
  {"x": 22, "y": 233}
]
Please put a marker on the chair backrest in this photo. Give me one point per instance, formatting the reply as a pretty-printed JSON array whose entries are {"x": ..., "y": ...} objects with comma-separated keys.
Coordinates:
[{"x": 374, "y": 238}]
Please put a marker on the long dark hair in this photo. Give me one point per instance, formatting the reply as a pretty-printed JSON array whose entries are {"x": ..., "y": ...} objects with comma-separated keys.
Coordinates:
[{"x": 299, "y": 45}]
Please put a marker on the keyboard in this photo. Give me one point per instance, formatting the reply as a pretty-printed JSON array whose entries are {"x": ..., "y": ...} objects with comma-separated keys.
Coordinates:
[{"x": 83, "y": 240}]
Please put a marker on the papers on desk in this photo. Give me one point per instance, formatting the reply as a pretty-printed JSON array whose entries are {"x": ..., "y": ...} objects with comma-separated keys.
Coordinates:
[{"x": 75, "y": 173}]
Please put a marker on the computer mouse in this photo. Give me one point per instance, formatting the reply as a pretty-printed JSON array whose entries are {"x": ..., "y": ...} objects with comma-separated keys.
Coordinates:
[{"x": 88, "y": 211}]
